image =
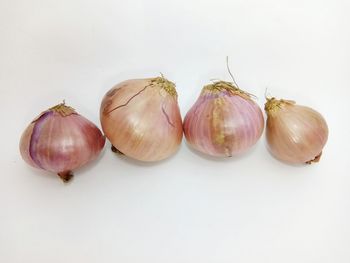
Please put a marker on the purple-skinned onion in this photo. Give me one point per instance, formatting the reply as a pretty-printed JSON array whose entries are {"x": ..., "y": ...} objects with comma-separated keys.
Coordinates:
[
  {"x": 60, "y": 140},
  {"x": 141, "y": 118},
  {"x": 224, "y": 121},
  {"x": 295, "y": 134}
]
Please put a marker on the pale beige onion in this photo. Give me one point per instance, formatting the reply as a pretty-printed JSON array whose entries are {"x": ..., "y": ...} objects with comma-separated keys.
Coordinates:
[
  {"x": 295, "y": 134},
  {"x": 141, "y": 118}
]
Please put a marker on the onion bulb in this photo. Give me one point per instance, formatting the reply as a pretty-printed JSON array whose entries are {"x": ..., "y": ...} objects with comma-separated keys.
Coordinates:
[
  {"x": 224, "y": 121},
  {"x": 141, "y": 118},
  {"x": 60, "y": 140},
  {"x": 295, "y": 134}
]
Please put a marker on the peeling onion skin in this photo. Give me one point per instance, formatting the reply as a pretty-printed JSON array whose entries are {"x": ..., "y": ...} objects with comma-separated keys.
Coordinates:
[
  {"x": 141, "y": 118},
  {"x": 224, "y": 121},
  {"x": 295, "y": 134},
  {"x": 60, "y": 140}
]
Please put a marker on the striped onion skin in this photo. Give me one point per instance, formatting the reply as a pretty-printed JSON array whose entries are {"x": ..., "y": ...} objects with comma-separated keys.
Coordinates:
[
  {"x": 295, "y": 134},
  {"x": 224, "y": 121},
  {"x": 59, "y": 140}
]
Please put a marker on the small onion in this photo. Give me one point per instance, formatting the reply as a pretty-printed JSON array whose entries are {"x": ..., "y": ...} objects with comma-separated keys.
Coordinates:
[
  {"x": 224, "y": 121},
  {"x": 60, "y": 140},
  {"x": 141, "y": 118},
  {"x": 295, "y": 134}
]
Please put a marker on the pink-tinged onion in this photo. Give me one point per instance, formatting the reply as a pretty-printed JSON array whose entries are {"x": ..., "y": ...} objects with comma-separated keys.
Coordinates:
[
  {"x": 295, "y": 134},
  {"x": 141, "y": 118},
  {"x": 60, "y": 140},
  {"x": 224, "y": 121}
]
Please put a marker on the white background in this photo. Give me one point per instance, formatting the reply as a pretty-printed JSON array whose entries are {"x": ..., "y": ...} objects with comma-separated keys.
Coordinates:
[{"x": 187, "y": 208}]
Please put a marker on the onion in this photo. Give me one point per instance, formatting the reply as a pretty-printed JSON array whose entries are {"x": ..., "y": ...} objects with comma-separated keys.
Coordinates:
[
  {"x": 295, "y": 134},
  {"x": 60, "y": 140},
  {"x": 224, "y": 121},
  {"x": 141, "y": 118}
]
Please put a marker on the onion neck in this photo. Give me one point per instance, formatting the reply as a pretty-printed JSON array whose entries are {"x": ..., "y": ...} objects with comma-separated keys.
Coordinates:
[
  {"x": 220, "y": 86},
  {"x": 273, "y": 105},
  {"x": 62, "y": 109},
  {"x": 165, "y": 84}
]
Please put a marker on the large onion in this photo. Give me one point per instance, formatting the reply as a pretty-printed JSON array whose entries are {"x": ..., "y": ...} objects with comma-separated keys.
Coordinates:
[{"x": 141, "y": 118}]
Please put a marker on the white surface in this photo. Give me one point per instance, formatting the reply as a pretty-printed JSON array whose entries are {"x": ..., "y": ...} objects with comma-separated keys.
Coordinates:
[{"x": 188, "y": 208}]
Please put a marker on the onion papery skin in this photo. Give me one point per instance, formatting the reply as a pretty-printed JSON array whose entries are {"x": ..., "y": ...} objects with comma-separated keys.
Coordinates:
[
  {"x": 141, "y": 118},
  {"x": 60, "y": 140},
  {"x": 295, "y": 134},
  {"x": 224, "y": 121}
]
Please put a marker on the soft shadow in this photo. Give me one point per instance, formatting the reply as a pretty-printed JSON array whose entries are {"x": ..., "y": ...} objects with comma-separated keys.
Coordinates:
[
  {"x": 132, "y": 161},
  {"x": 42, "y": 173},
  {"x": 234, "y": 158}
]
